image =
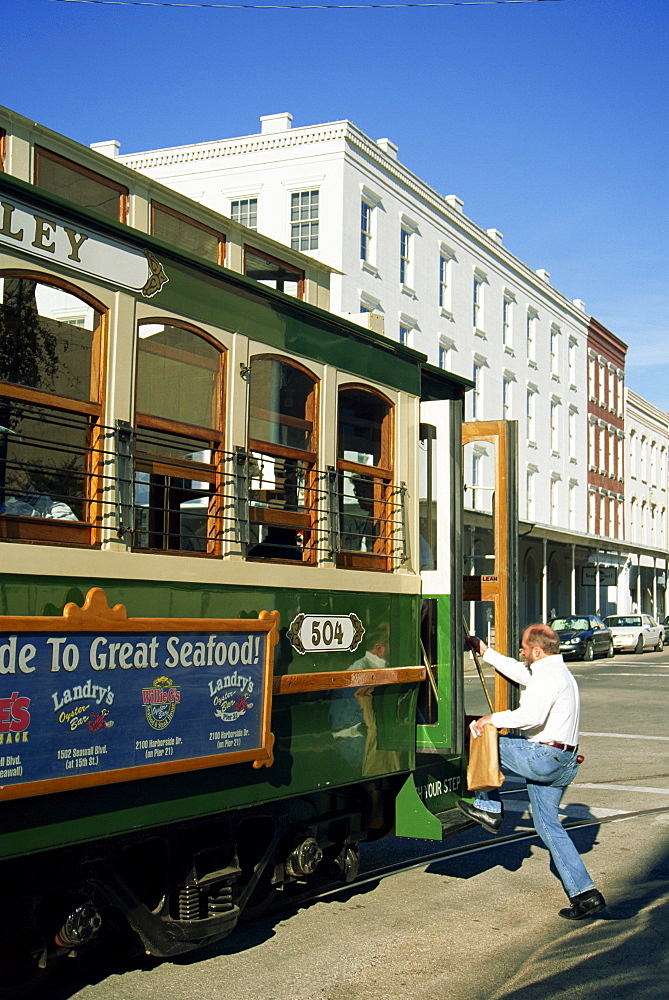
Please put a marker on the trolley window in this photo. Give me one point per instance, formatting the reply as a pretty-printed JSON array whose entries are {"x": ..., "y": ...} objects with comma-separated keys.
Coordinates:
[
  {"x": 283, "y": 450},
  {"x": 187, "y": 234},
  {"x": 273, "y": 272},
  {"x": 50, "y": 436},
  {"x": 178, "y": 456},
  {"x": 366, "y": 511},
  {"x": 84, "y": 187}
]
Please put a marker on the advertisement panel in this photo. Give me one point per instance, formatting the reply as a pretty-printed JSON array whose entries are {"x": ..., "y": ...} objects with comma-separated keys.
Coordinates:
[{"x": 95, "y": 696}]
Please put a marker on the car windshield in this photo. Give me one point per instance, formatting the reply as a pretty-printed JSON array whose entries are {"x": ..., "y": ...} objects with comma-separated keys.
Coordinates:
[
  {"x": 569, "y": 624},
  {"x": 629, "y": 621}
]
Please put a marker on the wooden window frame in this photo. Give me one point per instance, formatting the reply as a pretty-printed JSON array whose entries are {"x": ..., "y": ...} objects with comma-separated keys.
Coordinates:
[
  {"x": 77, "y": 168},
  {"x": 382, "y": 476},
  {"x": 87, "y": 532},
  {"x": 213, "y": 437},
  {"x": 189, "y": 220},
  {"x": 306, "y": 520}
]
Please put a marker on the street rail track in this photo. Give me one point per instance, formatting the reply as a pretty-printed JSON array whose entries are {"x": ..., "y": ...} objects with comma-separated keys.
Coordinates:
[{"x": 386, "y": 871}]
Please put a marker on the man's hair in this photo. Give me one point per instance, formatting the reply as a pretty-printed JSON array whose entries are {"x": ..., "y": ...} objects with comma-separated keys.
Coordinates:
[{"x": 543, "y": 636}]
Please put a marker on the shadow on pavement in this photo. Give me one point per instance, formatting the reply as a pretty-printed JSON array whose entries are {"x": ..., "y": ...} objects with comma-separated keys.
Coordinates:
[{"x": 622, "y": 953}]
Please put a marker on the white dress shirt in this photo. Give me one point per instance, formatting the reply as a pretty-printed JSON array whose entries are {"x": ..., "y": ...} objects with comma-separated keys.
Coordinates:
[{"x": 549, "y": 702}]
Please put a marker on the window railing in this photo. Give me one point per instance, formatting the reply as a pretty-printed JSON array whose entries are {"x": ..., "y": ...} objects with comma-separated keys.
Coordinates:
[
  {"x": 65, "y": 479},
  {"x": 58, "y": 477}
]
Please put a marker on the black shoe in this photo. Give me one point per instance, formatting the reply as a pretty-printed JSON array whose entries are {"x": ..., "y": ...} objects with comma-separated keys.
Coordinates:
[
  {"x": 490, "y": 820},
  {"x": 586, "y": 904}
]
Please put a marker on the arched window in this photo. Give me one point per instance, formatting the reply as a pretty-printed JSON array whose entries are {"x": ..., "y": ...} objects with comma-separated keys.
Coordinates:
[
  {"x": 365, "y": 471},
  {"x": 283, "y": 450},
  {"x": 50, "y": 406},
  {"x": 179, "y": 439}
]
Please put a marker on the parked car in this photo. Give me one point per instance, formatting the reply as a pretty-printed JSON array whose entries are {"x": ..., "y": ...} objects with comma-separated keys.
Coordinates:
[
  {"x": 665, "y": 626},
  {"x": 635, "y": 632},
  {"x": 582, "y": 637}
]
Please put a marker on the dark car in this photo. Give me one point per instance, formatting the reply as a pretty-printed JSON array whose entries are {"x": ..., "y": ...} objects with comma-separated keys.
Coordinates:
[{"x": 582, "y": 637}]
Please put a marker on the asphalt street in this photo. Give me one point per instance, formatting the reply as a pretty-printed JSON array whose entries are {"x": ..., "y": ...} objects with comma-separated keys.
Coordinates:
[{"x": 482, "y": 926}]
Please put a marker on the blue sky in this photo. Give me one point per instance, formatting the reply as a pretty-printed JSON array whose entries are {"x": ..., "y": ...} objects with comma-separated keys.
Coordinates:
[{"x": 549, "y": 119}]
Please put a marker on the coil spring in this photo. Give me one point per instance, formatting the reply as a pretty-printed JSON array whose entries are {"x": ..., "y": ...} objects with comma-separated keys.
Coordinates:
[
  {"x": 189, "y": 902},
  {"x": 220, "y": 901}
]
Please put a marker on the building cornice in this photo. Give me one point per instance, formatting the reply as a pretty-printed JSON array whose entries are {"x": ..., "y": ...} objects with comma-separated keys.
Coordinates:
[{"x": 347, "y": 133}]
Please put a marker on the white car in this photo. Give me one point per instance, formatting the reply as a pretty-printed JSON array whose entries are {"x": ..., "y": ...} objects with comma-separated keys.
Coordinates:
[{"x": 635, "y": 632}]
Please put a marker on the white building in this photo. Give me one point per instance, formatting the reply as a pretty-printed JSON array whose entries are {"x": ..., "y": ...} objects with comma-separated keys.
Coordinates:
[
  {"x": 412, "y": 257},
  {"x": 410, "y": 262},
  {"x": 647, "y": 434}
]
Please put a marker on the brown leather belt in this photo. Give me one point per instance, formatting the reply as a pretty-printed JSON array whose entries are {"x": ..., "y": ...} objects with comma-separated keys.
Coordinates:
[{"x": 560, "y": 746}]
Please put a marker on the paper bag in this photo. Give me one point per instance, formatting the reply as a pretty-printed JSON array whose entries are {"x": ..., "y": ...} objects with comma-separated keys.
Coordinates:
[{"x": 483, "y": 771}]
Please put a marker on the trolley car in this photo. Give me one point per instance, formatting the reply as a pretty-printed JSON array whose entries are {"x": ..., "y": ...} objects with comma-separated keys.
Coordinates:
[{"x": 218, "y": 674}]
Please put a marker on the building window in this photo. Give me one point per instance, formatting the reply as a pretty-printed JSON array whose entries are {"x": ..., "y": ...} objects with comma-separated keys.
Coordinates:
[
  {"x": 593, "y": 511},
  {"x": 366, "y": 214},
  {"x": 555, "y": 426},
  {"x": 507, "y": 312},
  {"x": 592, "y": 442},
  {"x": 530, "y": 492},
  {"x": 555, "y": 350},
  {"x": 245, "y": 211},
  {"x": 601, "y": 447},
  {"x": 273, "y": 272},
  {"x": 304, "y": 221},
  {"x": 78, "y": 184},
  {"x": 506, "y": 397},
  {"x": 187, "y": 234},
  {"x": 573, "y": 487},
  {"x": 530, "y": 414},
  {"x": 405, "y": 334},
  {"x": 179, "y": 440},
  {"x": 444, "y": 359},
  {"x": 405, "y": 255},
  {"x": 476, "y": 395},
  {"x": 50, "y": 408},
  {"x": 283, "y": 451},
  {"x": 365, "y": 475},
  {"x": 555, "y": 500},
  {"x": 477, "y": 462},
  {"x": 477, "y": 303},
  {"x": 573, "y": 375},
  {"x": 444, "y": 293},
  {"x": 592, "y": 374},
  {"x": 531, "y": 334},
  {"x": 572, "y": 429}
]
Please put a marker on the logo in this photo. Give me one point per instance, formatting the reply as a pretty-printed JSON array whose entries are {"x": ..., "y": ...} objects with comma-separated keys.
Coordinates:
[
  {"x": 14, "y": 718},
  {"x": 99, "y": 720},
  {"x": 231, "y": 696},
  {"x": 160, "y": 702},
  {"x": 88, "y": 713}
]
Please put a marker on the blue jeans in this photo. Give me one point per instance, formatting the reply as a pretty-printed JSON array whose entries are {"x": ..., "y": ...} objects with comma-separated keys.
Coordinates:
[{"x": 548, "y": 771}]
